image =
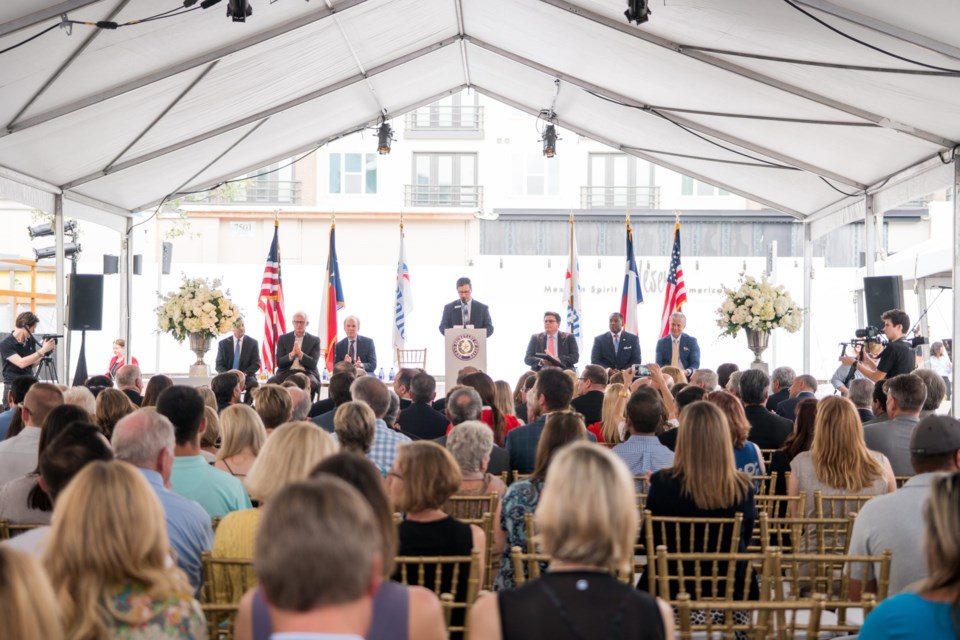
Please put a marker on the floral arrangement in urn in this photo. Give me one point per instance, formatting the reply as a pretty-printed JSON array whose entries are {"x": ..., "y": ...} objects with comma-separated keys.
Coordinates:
[
  {"x": 198, "y": 307},
  {"x": 757, "y": 305}
]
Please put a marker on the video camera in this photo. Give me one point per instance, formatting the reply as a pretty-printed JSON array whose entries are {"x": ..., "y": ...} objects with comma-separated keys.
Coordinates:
[
  {"x": 869, "y": 334},
  {"x": 49, "y": 336}
]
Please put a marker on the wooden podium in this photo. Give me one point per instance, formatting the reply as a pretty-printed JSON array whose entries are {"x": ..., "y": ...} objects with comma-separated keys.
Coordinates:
[{"x": 463, "y": 347}]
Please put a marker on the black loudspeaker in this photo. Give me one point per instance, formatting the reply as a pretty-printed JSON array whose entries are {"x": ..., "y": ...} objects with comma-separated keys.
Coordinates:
[
  {"x": 111, "y": 265},
  {"x": 167, "y": 257},
  {"x": 86, "y": 302},
  {"x": 882, "y": 293}
]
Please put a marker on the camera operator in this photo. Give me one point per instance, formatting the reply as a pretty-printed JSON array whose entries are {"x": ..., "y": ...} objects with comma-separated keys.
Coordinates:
[
  {"x": 19, "y": 350},
  {"x": 897, "y": 358}
]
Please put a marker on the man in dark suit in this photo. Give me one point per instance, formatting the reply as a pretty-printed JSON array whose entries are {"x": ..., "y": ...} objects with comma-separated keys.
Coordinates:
[
  {"x": 616, "y": 349},
  {"x": 804, "y": 386},
  {"x": 465, "y": 405},
  {"x": 466, "y": 311},
  {"x": 298, "y": 352},
  {"x": 560, "y": 345},
  {"x": 421, "y": 421},
  {"x": 767, "y": 430},
  {"x": 356, "y": 349},
  {"x": 677, "y": 349},
  {"x": 130, "y": 381},
  {"x": 593, "y": 385},
  {"x": 860, "y": 394},
  {"x": 240, "y": 352},
  {"x": 339, "y": 392},
  {"x": 780, "y": 382}
]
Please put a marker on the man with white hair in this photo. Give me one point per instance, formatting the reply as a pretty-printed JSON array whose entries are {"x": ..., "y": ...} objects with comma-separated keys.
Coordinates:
[
  {"x": 146, "y": 440},
  {"x": 677, "y": 349},
  {"x": 130, "y": 381},
  {"x": 301, "y": 402},
  {"x": 298, "y": 352},
  {"x": 356, "y": 349},
  {"x": 706, "y": 379}
]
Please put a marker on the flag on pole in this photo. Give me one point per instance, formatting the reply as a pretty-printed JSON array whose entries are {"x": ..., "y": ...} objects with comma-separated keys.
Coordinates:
[
  {"x": 332, "y": 300},
  {"x": 632, "y": 295},
  {"x": 676, "y": 293},
  {"x": 271, "y": 303},
  {"x": 404, "y": 298},
  {"x": 571, "y": 291}
]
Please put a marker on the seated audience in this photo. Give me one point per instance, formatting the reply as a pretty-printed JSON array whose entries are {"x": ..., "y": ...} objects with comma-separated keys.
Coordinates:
[
  {"x": 612, "y": 425},
  {"x": 273, "y": 405},
  {"x": 209, "y": 398},
  {"x": 470, "y": 443},
  {"x": 242, "y": 438},
  {"x": 879, "y": 404},
  {"x": 798, "y": 441},
  {"x": 733, "y": 384},
  {"x": 703, "y": 481},
  {"x": 96, "y": 384},
  {"x": 288, "y": 456},
  {"x": 393, "y": 410},
  {"x": 300, "y": 401},
  {"x": 746, "y": 454},
  {"x": 804, "y": 386},
  {"x": 420, "y": 421},
  {"x": 25, "y": 591},
  {"x": 504, "y": 398},
  {"x": 338, "y": 392},
  {"x": 114, "y": 580},
  {"x": 18, "y": 391},
  {"x": 210, "y": 436},
  {"x": 19, "y": 454},
  {"x": 591, "y": 386},
  {"x": 931, "y": 611},
  {"x": 386, "y": 440},
  {"x": 81, "y": 397},
  {"x": 227, "y": 389},
  {"x": 905, "y": 396},
  {"x": 780, "y": 382},
  {"x": 112, "y": 405},
  {"x": 588, "y": 524},
  {"x": 642, "y": 452},
  {"x": 130, "y": 382},
  {"x": 490, "y": 414},
  {"x": 523, "y": 496},
  {"x": 155, "y": 386},
  {"x": 936, "y": 390},
  {"x": 676, "y": 374},
  {"x": 687, "y": 396},
  {"x": 524, "y": 384},
  {"x": 355, "y": 427},
  {"x": 724, "y": 372},
  {"x": 146, "y": 440},
  {"x": 767, "y": 429},
  {"x": 706, "y": 379},
  {"x": 861, "y": 395}
]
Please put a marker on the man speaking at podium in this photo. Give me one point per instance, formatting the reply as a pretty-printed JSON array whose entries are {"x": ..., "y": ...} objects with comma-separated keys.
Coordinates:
[{"x": 466, "y": 311}]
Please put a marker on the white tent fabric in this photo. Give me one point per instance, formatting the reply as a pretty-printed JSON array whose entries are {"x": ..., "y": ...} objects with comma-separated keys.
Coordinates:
[{"x": 129, "y": 116}]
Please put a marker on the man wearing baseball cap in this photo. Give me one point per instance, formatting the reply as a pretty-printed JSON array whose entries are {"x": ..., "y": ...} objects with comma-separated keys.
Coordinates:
[{"x": 895, "y": 521}]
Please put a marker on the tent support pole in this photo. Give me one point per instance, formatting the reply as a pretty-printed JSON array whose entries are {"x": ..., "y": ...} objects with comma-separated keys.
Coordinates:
[
  {"x": 956, "y": 269},
  {"x": 807, "y": 292}
]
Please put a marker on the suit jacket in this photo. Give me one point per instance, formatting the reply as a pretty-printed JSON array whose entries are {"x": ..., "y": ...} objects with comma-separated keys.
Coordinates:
[
  {"x": 521, "y": 445},
  {"x": 767, "y": 430},
  {"x": 866, "y": 415},
  {"x": 590, "y": 405},
  {"x": 628, "y": 354},
  {"x": 689, "y": 352},
  {"x": 365, "y": 351},
  {"x": 479, "y": 316},
  {"x": 311, "y": 353},
  {"x": 789, "y": 406},
  {"x": 777, "y": 398},
  {"x": 249, "y": 355},
  {"x": 568, "y": 353},
  {"x": 421, "y": 422},
  {"x": 137, "y": 399},
  {"x": 325, "y": 420}
]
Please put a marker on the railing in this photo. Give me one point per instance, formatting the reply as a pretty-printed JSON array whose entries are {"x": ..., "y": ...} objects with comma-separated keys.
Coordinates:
[
  {"x": 252, "y": 192},
  {"x": 445, "y": 118},
  {"x": 620, "y": 197},
  {"x": 437, "y": 195}
]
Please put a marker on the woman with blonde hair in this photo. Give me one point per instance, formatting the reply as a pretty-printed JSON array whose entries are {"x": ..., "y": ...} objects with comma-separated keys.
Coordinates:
[
  {"x": 28, "y": 606},
  {"x": 934, "y": 605},
  {"x": 614, "y": 404},
  {"x": 273, "y": 405},
  {"x": 210, "y": 436},
  {"x": 676, "y": 373},
  {"x": 209, "y": 397},
  {"x": 109, "y": 560},
  {"x": 746, "y": 454},
  {"x": 241, "y": 437},
  {"x": 838, "y": 462},
  {"x": 112, "y": 405},
  {"x": 588, "y": 525},
  {"x": 703, "y": 481},
  {"x": 288, "y": 456},
  {"x": 504, "y": 398}
]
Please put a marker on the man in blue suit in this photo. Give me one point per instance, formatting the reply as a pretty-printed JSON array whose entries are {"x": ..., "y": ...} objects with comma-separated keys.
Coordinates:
[
  {"x": 677, "y": 349},
  {"x": 356, "y": 349},
  {"x": 465, "y": 311},
  {"x": 616, "y": 349}
]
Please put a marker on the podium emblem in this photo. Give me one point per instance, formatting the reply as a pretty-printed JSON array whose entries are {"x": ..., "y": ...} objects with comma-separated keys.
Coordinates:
[{"x": 465, "y": 347}]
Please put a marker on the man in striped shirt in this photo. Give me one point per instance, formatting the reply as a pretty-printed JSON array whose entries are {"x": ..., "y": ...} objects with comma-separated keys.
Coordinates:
[{"x": 642, "y": 450}]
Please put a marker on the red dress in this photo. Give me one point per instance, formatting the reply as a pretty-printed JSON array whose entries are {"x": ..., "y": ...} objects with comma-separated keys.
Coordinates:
[
  {"x": 486, "y": 416},
  {"x": 115, "y": 364}
]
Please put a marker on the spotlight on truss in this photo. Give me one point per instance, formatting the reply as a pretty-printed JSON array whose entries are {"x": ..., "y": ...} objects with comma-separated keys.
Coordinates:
[
  {"x": 549, "y": 141},
  {"x": 239, "y": 10},
  {"x": 637, "y": 11},
  {"x": 384, "y": 138},
  {"x": 70, "y": 249},
  {"x": 41, "y": 230}
]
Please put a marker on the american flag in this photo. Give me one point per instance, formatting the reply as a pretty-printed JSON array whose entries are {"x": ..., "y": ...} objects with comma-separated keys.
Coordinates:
[
  {"x": 271, "y": 303},
  {"x": 631, "y": 287},
  {"x": 332, "y": 300},
  {"x": 676, "y": 293}
]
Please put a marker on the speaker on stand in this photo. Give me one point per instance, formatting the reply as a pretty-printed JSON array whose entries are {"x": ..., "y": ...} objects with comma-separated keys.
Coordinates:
[
  {"x": 85, "y": 312},
  {"x": 882, "y": 293}
]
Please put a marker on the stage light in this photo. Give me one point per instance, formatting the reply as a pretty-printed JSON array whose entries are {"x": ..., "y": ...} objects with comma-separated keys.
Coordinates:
[
  {"x": 637, "y": 11},
  {"x": 70, "y": 249},
  {"x": 549, "y": 141},
  {"x": 384, "y": 138},
  {"x": 239, "y": 10},
  {"x": 47, "y": 229}
]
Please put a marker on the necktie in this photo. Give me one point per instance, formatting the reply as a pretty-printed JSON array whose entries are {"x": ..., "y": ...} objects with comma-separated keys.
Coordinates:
[
  {"x": 616, "y": 342},
  {"x": 675, "y": 356},
  {"x": 552, "y": 345},
  {"x": 236, "y": 353},
  {"x": 466, "y": 313},
  {"x": 353, "y": 350}
]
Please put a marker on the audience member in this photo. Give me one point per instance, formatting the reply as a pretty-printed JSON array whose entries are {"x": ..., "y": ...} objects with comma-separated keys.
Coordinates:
[
  {"x": 288, "y": 456},
  {"x": 96, "y": 384},
  {"x": 227, "y": 389},
  {"x": 799, "y": 440},
  {"x": 273, "y": 405},
  {"x": 401, "y": 385},
  {"x": 612, "y": 425},
  {"x": 838, "y": 463},
  {"x": 463, "y": 404},
  {"x": 393, "y": 410},
  {"x": 895, "y": 521},
  {"x": 146, "y": 440},
  {"x": 523, "y": 496},
  {"x": 420, "y": 421},
  {"x": 936, "y": 390},
  {"x": 209, "y": 398},
  {"x": 733, "y": 384},
  {"x": 702, "y": 482},
  {"x": 931, "y": 611},
  {"x": 217, "y": 492},
  {"x": 746, "y": 454},
  {"x": 113, "y": 579},
  {"x": 860, "y": 393},
  {"x": 905, "y": 396},
  {"x": 155, "y": 386},
  {"x": 130, "y": 382},
  {"x": 642, "y": 452},
  {"x": 588, "y": 526},
  {"x": 940, "y": 364},
  {"x": 355, "y": 426},
  {"x": 18, "y": 455},
  {"x": 706, "y": 379},
  {"x": 210, "y": 436},
  {"x": 780, "y": 382},
  {"x": 18, "y": 391},
  {"x": 83, "y": 398},
  {"x": 338, "y": 392},
  {"x": 242, "y": 438},
  {"x": 676, "y": 374},
  {"x": 767, "y": 430},
  {"x": 326, "y": 404},
  {"x": 300, "y": 403},
  {"x": 504, "y": 399},
  {"x": 470, "y": 445},
  {"x": 112, "y": 405},
  {"x": 490, "y": 414},
  {"x": 804, "y": 386},
  {"x": 27, "y": 608},
  {"x": 385, "y": 440},
  {"x": 724, "y": 371},
  {"x": 524, "y": 384},
  {"x": 687, "y": 396},
  {"x": 592, "y": 384}
]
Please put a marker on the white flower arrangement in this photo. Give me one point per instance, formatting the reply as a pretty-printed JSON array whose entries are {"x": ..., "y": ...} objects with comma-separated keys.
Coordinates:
[
  {"x": 757, "y": 305},
  {"x": 198, "y": 307}
]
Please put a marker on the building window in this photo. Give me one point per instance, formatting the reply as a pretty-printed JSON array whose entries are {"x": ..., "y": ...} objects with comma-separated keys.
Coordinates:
[
  {"x": 444, "y": 179},
  {"x": 459, "y": 112},
  {"x": 691, "y": 187},
  {"x": 533, "y": 175},
  {"x": 353, "y": 173},
  {"x": 618, "y": 180}
]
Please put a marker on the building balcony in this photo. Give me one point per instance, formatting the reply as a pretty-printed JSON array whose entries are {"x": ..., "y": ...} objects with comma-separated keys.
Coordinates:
[
  {"x": 436, "y": 195},
  {"x": 620, "y": 197},
  {"x": 445, "y": 121},
  {"x": 252, "y": 192}
]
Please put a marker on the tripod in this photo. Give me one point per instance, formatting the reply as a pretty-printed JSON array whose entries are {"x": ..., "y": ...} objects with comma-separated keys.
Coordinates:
[{"x": 47, "y": 370}]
